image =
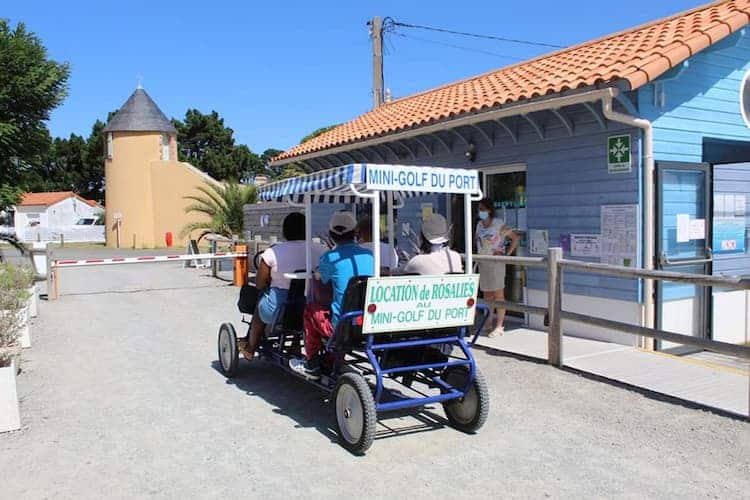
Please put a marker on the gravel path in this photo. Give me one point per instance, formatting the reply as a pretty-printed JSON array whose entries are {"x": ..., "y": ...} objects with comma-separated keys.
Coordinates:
[{"x": 121, "y": 398}]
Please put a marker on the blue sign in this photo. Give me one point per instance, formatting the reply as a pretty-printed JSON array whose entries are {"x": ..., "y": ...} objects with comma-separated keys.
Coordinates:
[{"x": 729, "y": 234}]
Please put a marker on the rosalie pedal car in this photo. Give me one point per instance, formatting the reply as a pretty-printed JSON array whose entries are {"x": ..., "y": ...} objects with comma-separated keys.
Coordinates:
[{"x": 401, "y": 341}]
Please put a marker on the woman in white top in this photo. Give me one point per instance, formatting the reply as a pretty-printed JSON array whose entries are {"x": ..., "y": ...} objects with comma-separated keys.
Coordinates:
[
  {"x": 491, "y": 234},
  {"x": 282, "y": 258},
  {"x": 436, "y": 257}
]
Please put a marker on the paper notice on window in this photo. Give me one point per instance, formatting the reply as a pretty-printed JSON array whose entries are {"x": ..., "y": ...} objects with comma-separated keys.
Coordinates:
[
  {"x": 538, "y": 241},
  {"x": 585, "y": 245},
  {"x": 739, "y": 205},
  {"x": 683, "y": 228},
  {"x": 698, "y": 229}
]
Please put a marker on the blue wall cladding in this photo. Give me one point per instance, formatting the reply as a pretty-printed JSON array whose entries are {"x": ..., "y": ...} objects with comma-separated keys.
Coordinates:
[
  {"x": 702, "y": 101},
  {"x": 734, "y": 180},
  {"x": 567, "y": 184}
]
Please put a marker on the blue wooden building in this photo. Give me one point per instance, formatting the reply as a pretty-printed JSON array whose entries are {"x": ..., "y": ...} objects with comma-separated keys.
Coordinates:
[{"x": 633, "y": 149}]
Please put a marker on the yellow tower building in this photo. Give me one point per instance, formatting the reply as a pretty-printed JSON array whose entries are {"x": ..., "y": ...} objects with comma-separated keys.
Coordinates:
[{"x": 145, "y": 184}]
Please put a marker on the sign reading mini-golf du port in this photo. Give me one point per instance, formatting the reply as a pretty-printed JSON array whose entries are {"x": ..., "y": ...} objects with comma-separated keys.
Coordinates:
[
  {"x": 406, "y": 303},
  {"x": 425, "y": 179}
]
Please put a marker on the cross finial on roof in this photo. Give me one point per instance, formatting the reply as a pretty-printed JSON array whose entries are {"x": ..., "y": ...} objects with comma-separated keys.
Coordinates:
[{"x": 140, "y": 81}]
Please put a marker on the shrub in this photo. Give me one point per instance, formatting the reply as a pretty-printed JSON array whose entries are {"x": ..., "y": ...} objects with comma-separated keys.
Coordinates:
[{"x": 14, "y": 285}]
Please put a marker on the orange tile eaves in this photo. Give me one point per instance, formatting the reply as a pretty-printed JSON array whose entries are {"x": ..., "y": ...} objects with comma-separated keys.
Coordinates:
[{"x": 635, "y": 57}]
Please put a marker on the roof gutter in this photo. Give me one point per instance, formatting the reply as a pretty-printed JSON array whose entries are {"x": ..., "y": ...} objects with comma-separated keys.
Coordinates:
[
  {"x": 648, "y": 203},
  {"x": 529, "y": 107}
]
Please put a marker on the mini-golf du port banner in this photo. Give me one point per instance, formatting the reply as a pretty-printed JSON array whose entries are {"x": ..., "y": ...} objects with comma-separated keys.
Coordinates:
[
  {"x": 405, "y": 303},
  {"x": 422, "y": 179}
]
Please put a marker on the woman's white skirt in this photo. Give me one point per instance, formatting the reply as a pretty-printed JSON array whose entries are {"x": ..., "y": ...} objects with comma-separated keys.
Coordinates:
[{"x": 491, "y": 276}]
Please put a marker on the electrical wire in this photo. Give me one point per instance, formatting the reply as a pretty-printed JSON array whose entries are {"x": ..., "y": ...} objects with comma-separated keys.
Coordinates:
[
  {"x": 459, "y": 47},
  {"x": 391, "y": 22}
]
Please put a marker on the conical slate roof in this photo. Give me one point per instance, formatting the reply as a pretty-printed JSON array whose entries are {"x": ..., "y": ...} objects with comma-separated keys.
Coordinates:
[{"x": 139, "y": 114}]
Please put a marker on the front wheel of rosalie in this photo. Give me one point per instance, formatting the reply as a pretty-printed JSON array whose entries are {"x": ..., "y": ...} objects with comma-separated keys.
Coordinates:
[
  {"x": 469, "y": 413},
  {"x": 355, "y": 415},
  {"x": 228, "y": 353}
]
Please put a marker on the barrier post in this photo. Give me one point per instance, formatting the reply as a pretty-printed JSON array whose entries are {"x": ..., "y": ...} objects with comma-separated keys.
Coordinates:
[
  {"x": 214, "y": 262},
  {"x": 55, "y": 277},
  {"x": 240, "y": 265},
  {"x": 554, "y": 304}
]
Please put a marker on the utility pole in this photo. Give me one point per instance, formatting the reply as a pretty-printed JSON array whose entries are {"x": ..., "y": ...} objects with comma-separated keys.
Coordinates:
[{"x": 376, "y": 33}]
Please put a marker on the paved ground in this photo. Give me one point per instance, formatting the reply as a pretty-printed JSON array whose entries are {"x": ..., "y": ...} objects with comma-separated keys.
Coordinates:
[
  {"x": 707, "y": 379},
  {"x": 120, "y": 398}
]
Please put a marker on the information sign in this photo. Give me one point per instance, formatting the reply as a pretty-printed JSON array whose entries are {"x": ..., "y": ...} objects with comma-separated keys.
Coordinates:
[{"x": 404, "y": 303}]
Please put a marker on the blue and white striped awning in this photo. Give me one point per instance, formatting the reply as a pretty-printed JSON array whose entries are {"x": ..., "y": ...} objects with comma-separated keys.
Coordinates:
[{"x": 341, "y": 185}]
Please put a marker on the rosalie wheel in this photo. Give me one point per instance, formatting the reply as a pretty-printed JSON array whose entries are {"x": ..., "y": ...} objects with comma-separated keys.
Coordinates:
[
  {"x": 229, "y": 358},
  {"x": 469, "y": 413},
  {"x": 355, "y": 414}
]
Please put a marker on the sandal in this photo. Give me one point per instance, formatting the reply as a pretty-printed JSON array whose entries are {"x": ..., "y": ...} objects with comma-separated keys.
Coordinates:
[{"x": 242, "y": 348}]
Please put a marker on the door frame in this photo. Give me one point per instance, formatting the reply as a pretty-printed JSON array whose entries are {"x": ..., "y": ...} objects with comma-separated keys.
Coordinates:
[{"x": 706, "y": 316}]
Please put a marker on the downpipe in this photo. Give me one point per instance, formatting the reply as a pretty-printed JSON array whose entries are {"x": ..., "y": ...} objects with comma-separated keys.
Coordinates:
[{"x": 648, "y": 204}]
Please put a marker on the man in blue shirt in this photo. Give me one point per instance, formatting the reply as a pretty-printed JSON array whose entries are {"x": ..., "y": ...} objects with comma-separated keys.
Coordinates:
[{"x": 336, "y": 268}]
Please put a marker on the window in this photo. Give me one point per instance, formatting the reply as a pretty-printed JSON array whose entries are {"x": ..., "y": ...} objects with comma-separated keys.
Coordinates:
[
  {"x": 745, "y": 98},
  {"x": 109, "y": 145},
  {"x": 165, "y": 146}
]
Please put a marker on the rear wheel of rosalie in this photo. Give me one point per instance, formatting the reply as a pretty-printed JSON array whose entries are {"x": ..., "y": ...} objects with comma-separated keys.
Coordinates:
[
  {"x": 469, "y": 413},
  {"x": 354, "y": 412},
  {"x": 229, "y": 358}
]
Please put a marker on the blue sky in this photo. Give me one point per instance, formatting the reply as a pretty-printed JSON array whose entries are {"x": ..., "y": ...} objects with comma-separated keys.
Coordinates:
[{"x": 278, "y": 70}]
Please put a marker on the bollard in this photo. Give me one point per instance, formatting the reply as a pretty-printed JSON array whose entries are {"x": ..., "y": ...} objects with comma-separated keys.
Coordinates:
[
  {"x": 240, "y": 266},
  {"x": 554, "y": 305},
  {"x": 62, "y": 240},
  {"x": 214, "y": 262}
]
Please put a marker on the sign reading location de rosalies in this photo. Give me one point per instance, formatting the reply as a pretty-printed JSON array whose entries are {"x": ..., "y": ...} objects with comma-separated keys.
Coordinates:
[
  {"x": 618, "y": 154},
  {"x": 404, "y": 303}
]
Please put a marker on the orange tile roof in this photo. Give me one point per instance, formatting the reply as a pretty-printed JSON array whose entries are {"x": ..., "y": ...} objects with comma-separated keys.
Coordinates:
[
  {"x": 45, "y": 199},
  {"x": 635, "y": 56}
]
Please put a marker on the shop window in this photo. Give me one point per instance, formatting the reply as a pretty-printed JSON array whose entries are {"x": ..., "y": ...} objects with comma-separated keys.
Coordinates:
[
  {"x": 109, "y": 145},
  {"x": 165, "y": 146}
]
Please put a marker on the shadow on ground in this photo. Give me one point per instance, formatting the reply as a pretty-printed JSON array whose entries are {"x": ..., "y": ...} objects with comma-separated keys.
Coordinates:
[{"x": 309, "y": 407}]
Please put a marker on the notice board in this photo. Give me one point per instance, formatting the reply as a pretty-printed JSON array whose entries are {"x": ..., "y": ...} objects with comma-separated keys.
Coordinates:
[{"x": 619, "y": 235}]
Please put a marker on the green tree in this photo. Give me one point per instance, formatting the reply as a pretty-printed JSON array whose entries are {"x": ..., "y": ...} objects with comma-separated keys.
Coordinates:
[
  {"x": 221, "y": 208},
  {"x": 291, "y": 170},
  {"x": 31, "y": 85},
  {"x": 268, "y": 155},
  {"x": 315, "y": 133},
  {"x": 208, "y": 144},
  {"x": 9, "y": 196}
]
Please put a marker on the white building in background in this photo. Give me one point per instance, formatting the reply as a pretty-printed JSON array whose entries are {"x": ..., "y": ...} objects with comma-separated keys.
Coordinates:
[{"x": 45, "y": 216}]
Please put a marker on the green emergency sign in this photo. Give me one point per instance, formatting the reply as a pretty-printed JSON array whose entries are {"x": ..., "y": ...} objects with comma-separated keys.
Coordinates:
[{"x": 618, "y": 154}]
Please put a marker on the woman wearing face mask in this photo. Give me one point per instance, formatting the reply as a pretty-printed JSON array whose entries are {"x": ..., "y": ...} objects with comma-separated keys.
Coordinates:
[{"x": 491, "y": 234}]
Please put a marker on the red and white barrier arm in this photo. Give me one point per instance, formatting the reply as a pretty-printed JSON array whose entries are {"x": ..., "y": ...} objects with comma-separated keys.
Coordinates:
[{"x": 144, "y": 259}]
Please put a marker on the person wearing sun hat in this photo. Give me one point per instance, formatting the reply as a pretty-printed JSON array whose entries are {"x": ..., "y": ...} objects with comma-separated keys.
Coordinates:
[
  {"x": 337, "y": 267},
  {"x": 435, "y": 257}
]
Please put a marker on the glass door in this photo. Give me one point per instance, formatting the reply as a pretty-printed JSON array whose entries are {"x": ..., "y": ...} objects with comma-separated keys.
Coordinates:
[{"x": 682, "y": 244}]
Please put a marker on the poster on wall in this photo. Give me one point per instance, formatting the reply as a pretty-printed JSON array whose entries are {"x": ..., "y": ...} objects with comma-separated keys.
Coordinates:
[
  {"x": 585, "y": 245},
  {"x": 538, "y": 241},
  {"x": 619, "y": 236},
  {"x": 729, "y": 224}
]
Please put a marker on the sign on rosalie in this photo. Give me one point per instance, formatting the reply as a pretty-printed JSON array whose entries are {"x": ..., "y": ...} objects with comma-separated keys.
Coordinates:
[{"x": 404, "y": 303}]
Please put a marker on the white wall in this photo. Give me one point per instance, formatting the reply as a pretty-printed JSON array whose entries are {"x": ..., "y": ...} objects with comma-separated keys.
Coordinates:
[
  {"x": 616, "y": 310},
  {"x": 731, "y": 316},
  {"x": 57, "y": 219},
  {"x": 63, "y": 213}
]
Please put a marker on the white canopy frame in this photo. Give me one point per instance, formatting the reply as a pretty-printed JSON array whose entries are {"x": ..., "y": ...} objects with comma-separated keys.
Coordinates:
[{"x": 373, "y": 184}]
